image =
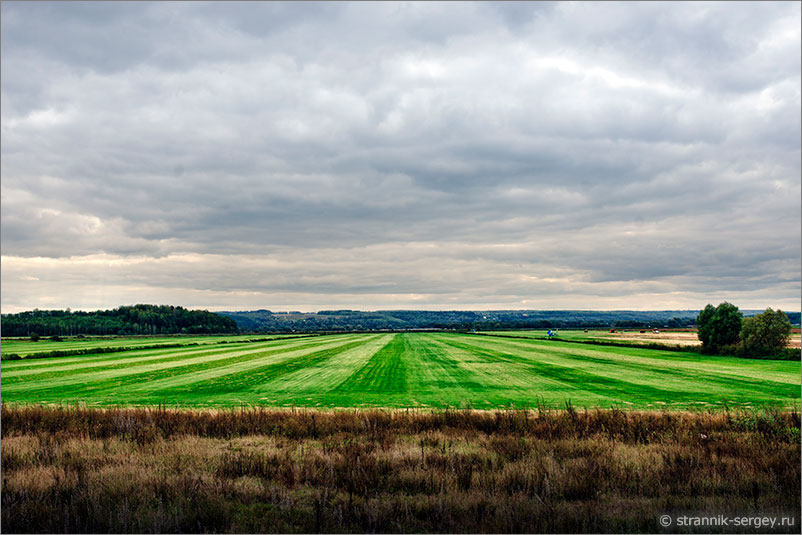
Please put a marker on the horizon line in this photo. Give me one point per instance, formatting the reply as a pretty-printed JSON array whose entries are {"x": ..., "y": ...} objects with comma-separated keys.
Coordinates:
[{"x": 289, "y": 310}]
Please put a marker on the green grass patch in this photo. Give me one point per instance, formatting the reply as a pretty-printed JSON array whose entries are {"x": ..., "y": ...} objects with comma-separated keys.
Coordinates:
[
  {"x": 18, "y": 348},
  {"x": 436, "y": 370}
]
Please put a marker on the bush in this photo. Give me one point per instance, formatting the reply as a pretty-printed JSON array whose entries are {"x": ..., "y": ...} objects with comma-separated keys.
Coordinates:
[
  {"x": 788, "y": 353},
  {"x": 765, "y": 334},
  {"x": 34, "y": 337}
]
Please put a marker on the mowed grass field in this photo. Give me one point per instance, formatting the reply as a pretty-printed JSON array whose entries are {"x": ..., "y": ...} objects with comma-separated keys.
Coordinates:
[
  {"x": 403, "y": 370},
  {"x": 666, "y": 337},
  {"x": 24, "y": 346}
]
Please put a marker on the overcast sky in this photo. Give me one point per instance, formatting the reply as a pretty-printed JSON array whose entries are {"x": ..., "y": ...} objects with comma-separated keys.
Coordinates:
[{"x": 234, "y": 156}]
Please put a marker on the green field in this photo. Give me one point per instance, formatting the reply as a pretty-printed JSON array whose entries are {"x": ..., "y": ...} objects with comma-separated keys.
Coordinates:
[
  {"x": 25, "y": 347},
  {"x": 403, "y": 370},
  {"x": 541, "y": 334},
  {"x": 592, "y": 335}
]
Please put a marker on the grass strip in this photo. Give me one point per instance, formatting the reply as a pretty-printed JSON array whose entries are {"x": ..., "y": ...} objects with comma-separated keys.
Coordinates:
[{"x": 120, "y": 349}]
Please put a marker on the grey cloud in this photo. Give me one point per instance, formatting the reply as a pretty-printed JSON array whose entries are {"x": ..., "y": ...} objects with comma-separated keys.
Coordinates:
[{"x": 624, "y": 144}]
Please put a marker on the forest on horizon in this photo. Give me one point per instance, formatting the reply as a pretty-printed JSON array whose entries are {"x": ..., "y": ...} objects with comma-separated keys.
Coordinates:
[{"x": 164, "y": 319}]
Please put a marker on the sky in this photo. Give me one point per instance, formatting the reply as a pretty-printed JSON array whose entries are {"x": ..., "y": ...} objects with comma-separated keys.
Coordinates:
[{"x": 439, "y": 156}]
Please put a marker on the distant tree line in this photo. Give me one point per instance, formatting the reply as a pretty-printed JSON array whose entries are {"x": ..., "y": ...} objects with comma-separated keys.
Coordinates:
[
  {"x": 723, "y": 330},
  {"x": 124, "y": 320},
  {"x": 354, "y": 320},
  {"x": 152, "y": 319}
]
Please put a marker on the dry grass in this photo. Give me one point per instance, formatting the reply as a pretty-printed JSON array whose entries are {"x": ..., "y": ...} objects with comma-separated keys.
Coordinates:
[
  {"x": 140, "y": 470},
  {"x": 674, "y": 337}
]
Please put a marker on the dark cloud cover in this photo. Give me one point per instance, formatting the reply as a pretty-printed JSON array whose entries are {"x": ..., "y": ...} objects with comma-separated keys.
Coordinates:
[{"x": 416, "y": 155}]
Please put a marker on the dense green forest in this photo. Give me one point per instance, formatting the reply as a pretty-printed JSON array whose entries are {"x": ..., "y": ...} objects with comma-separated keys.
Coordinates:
[{"x": 137, "y": 319}]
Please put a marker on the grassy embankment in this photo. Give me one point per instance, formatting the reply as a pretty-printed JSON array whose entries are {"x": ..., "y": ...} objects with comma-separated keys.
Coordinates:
[
  {"x": 149, "y": 470},
  {"x": 404, "y": 370}
]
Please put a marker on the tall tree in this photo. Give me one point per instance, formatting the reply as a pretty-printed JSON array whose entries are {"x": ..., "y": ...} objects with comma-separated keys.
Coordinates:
[
  {"x": 719, "y": 326},
  {"x": 765, "y": 334}
]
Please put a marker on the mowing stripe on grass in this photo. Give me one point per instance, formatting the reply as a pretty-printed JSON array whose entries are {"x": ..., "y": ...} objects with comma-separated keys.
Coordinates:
[
  {"x": 26, "y": 347},
  {"x": 34, "y": 365},
  {"x": 154, "y": 359},
  {"x": 384, "y": 372},
  {"x": 212, "y": 374},
  {"x": 58, "y": 362},
  {"x": 327, "y": 374},
  {"x": 647, "y": 358},
  {"x": 644, "y": 371},
  {"x": 671, "y": 359},
  {"x": 494, "y": 373},
  {"x": 238, "y": 382},
  {"x": 139, "y": 358},
  {"x": 408, "y": 369},
  {"x": 599, "y": 385},
  {"x": 190, "y": 367},
  {"x": 438, "y": 370}
]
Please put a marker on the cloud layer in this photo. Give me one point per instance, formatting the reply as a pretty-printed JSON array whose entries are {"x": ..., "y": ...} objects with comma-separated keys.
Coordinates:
[{"x": 389, "y": 155}]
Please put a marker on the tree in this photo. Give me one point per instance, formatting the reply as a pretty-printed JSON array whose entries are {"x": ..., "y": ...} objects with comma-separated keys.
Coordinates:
[
  {"x": 718, "y": 326},
  {"x": 704, "y": 325},
  {"x": 765, "y": 334}
]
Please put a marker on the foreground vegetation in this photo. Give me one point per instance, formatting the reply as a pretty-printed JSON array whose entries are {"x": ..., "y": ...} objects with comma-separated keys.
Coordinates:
[
  {"x": 151, "y": 470},
  {"x": 404, "y": 370}
]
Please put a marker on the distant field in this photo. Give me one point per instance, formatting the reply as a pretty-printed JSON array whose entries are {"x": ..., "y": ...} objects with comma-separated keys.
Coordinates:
[
  {"x": 682, "y": 337},
  {"x": 629, "y": 336},
  {"x": 403, "y": 370},
  {"x": 24, "y": 346}
]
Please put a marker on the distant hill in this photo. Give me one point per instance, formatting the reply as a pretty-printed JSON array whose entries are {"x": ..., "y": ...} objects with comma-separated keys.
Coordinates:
[
  {"x": 137, "y": 319},
  {"x": 153, "y": 319},
  {"x": 349, "y": 320}
]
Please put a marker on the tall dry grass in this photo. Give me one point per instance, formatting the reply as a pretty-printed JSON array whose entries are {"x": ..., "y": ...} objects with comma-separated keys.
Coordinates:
[{"x": 259, "y": 470}]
